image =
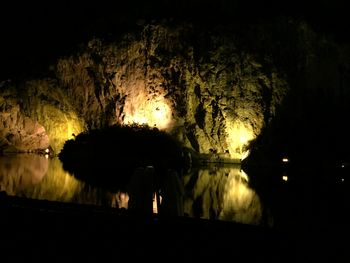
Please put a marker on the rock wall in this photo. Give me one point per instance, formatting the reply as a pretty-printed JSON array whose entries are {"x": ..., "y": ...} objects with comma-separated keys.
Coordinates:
[
  {"x": 215, "y": 88},
  {"x": 36, "y": 116},
  {"x": 197, "y": 85},
  {"x": 19, "y": 133}
]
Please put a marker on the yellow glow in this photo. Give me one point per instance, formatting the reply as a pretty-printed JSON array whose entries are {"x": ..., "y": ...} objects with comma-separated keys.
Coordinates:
[
  {"x": 155, "y": 205},
  {"x": 224, "y": 192},
  {"x": 152, "y": 112},
  {"x": 122, "y": 200},
  {"x": 22, "y": 171},
  {"x": 244, "y": 176},
  {"x": 285, "y": 178},
  {"x": 239, "y": 135},
  {"x": 60, "y": 125},
  {"x": 63, "y": 131},
  {"x": 36, "y": 177},
  {"x": 69, "y": 131},
  {"x": 57, "y": 185},
  {"x": 47, "y": 150},
  {"x": 240, "y": 202},
  {"x": 46, "y": 156},
  {"x": 285, "y": 160}
]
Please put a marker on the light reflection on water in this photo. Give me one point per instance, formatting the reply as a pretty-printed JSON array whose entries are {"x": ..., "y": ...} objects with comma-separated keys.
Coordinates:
[
  {"x": 222, "y": 193},
  {"x": 20, "y": 172},
  {"x": 212, "y": 193},
  {"x": 36, "y": 177}
]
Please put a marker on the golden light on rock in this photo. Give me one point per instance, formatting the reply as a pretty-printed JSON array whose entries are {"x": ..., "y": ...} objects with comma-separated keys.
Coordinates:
[
  {"x": 239, "y": 134},
  {"x": 154, "y": 112},
  {"x": 59, "y": 125},
  {"x": 70, "y": 130}
]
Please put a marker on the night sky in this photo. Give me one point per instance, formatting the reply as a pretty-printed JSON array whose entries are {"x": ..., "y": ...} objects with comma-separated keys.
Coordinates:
[{"x": 34, "y": 34}]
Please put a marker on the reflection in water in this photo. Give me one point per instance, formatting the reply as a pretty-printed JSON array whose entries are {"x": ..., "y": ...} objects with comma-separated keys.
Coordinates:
[
  {"x": 172, "y": 193},
  {"x": 18, "y": 172},
  {"x": 120, "y": 200},
  {"x": 141, "y": 190},
  {"x": 36, "y": 177},
  {"x": 213, "y": 192},
  {"x": 57, "y": 185},
  {"x": 222, "y": 193}
]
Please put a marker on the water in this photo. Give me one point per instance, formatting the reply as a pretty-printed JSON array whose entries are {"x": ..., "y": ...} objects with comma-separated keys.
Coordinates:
[
  {"x": 37, "y": 177},
  {"x": 222, "y": 193},
  {"x": 270, "y": 198}
]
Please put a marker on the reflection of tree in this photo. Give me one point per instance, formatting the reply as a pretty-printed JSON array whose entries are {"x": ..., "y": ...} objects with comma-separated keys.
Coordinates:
[
  {"x": 21, "y": 171},
  {"x": 172, "y": 194},
  {"x": 222, "y": 193},
  {"x": 140, "y": 190}
]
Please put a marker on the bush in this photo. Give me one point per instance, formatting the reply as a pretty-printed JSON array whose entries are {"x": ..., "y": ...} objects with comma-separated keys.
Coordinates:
[{"x": 108, "y": 157}]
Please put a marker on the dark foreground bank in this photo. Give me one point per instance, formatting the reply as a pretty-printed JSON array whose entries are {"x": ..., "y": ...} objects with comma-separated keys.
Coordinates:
[{"x": 45, "y": 231}]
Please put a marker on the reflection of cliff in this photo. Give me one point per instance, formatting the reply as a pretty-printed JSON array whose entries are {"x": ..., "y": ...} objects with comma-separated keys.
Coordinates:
[
  {"x": 222, "y": 193},
  {"x": 57, "y": 185},
  {"x": 34, "y": 176},
  {"x": 21, "y": 172}
]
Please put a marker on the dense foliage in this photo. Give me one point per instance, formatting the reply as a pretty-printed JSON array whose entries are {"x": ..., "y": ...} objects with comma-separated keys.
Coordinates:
[{"x": 109, "y": 156}]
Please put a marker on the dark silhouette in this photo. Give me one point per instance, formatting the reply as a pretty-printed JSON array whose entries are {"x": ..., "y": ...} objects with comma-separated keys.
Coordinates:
[
  {"x": 141, "y": 189},
  {"x": 110, "y": 156},
  {"x": 172, "y": 192}
]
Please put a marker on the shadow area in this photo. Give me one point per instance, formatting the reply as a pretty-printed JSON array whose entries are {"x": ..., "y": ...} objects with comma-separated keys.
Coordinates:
[{"x": 113, "y": 157}]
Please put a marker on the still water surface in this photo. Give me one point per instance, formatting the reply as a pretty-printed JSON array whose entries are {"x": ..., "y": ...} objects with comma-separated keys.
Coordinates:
[
  {"x": 213, "y": 192},
  {"x": 299, "y": 197}
]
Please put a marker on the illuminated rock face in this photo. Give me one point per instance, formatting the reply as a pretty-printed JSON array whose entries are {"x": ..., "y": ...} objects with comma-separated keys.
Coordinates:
[
  {"x": 197, "y": 85},
  {"x": 37, "y": 117},
  {"x": 50, "y": 106},
  {"x": 18, "y": 132},
  {"x": 200, "y": 88}
]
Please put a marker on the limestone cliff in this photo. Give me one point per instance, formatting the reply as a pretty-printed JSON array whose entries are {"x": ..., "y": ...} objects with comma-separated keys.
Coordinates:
[
  {"x": 197, "y": 85},
  {"x": 19, "y": 133},
  {"x": 213, "y": 88},
  {"x": 36, "y": 116}
]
